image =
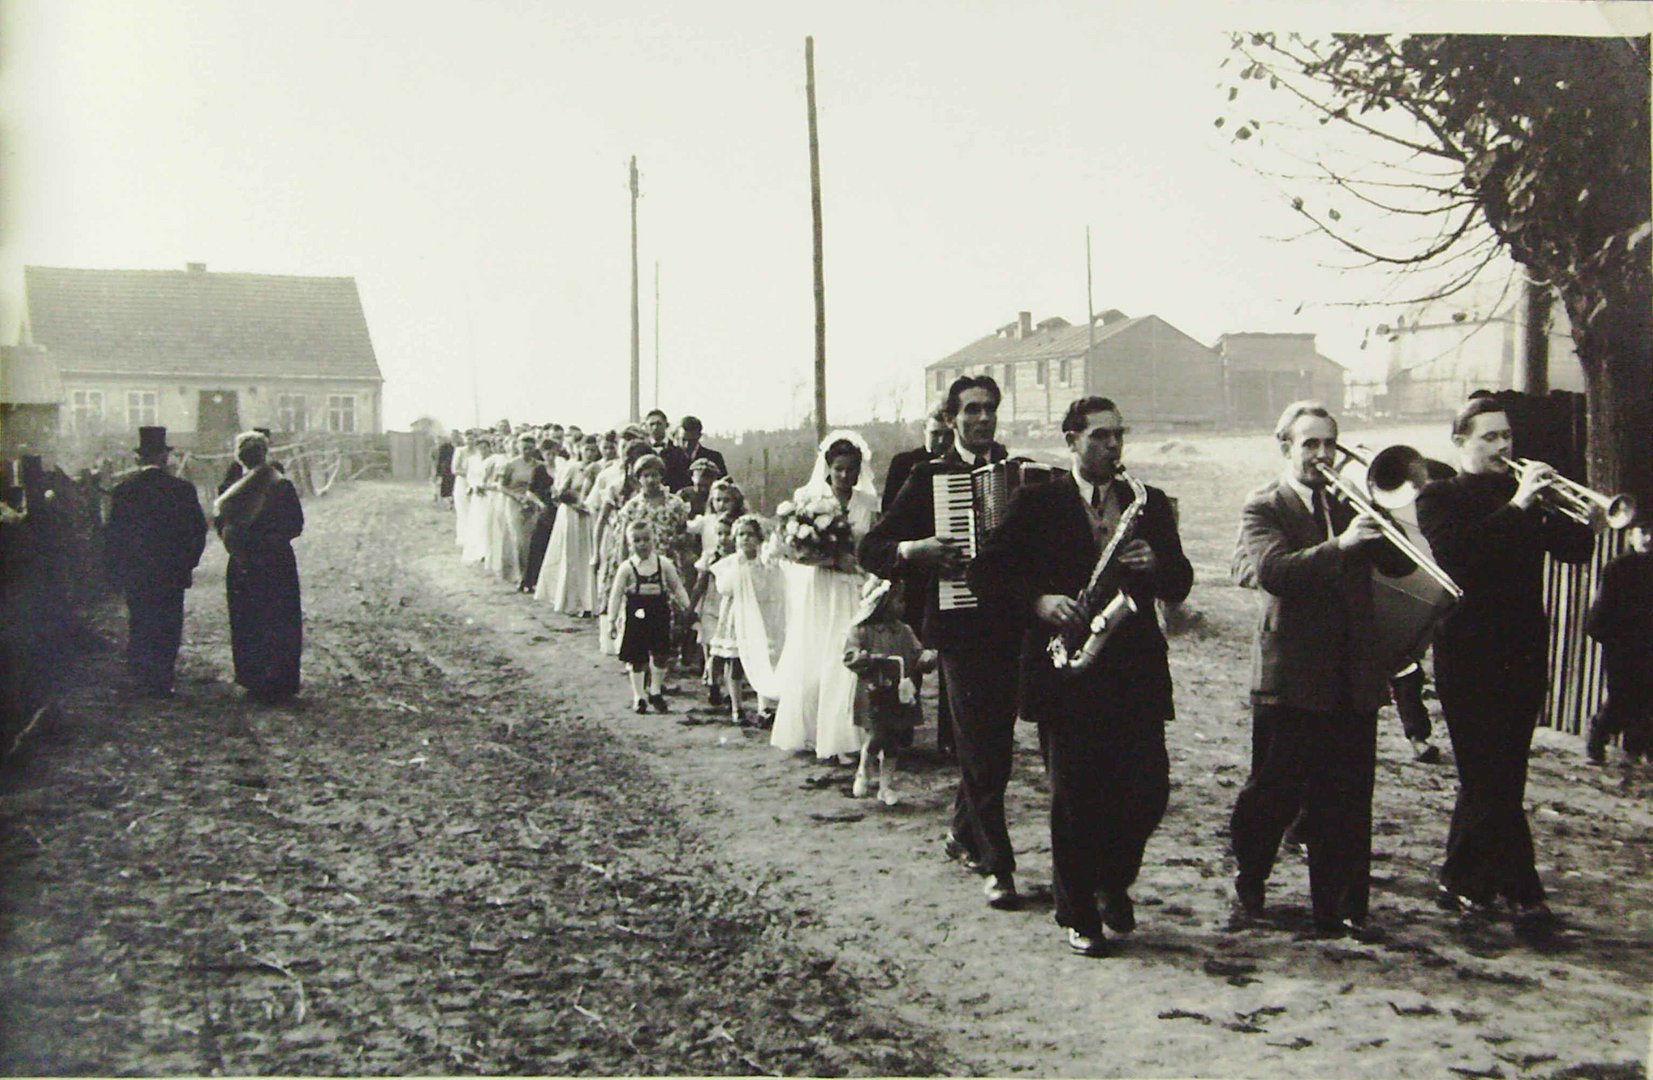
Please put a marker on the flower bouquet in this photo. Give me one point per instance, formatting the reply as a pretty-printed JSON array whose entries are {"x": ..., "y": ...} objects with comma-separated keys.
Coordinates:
[{"x": 815, "y": 532}]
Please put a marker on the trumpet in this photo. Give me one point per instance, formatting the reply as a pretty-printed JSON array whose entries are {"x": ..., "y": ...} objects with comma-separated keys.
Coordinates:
[
  {"x": 1386, "y": 478},
  {"x": 1574, "y": 500}
]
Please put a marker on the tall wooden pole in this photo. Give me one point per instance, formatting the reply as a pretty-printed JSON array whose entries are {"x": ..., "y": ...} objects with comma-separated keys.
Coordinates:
[
  {"x": 820, "y": 278},
  {"x": 636, "y": 358},
  {"x": 656, "y": 335},
  {"x": 1090, "y": 319}
]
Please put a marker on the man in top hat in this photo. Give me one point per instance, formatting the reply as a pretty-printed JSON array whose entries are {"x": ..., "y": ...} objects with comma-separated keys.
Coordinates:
[{"x": 155, "y": 537}]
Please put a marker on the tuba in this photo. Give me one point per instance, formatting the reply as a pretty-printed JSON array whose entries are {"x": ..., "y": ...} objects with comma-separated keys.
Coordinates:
[{"x": 1103, "y": 603}]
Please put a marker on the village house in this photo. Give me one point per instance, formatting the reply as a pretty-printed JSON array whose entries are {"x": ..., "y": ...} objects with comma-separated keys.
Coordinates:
[
  {"x": 204, "y": 354},
  {"x": 1263, "y": 373},
  {"x": 31, "y": 400},
  {"x": 1153, "y": 371}
]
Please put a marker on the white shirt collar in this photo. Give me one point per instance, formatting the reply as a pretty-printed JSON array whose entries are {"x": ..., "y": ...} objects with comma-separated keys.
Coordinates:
[{"x": 1304, "y": 492}]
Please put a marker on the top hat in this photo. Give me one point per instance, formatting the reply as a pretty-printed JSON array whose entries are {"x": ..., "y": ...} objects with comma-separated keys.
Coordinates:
[
  {"x": 151, "y": 440},
  {"x": 873, "y": 592}
]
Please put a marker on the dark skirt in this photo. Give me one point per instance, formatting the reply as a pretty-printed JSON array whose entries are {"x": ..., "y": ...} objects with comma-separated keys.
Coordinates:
[{"x": 266, "y": 620}]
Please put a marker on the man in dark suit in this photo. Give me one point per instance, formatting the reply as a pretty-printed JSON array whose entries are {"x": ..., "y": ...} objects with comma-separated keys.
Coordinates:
[
  {"x": 676, "y": 460},
  {"x": 1102, "y": 728},
  {"x": 154, "y": 539},
  {"x": 937, "y": 438},
  {"x": 1316, "y": 682},
  {"x": 978, "y": 645},
  {"x": 695, "y": 450},
  {"x": 1621, "y": 620},
  {"x": 1491, "y": 532}
]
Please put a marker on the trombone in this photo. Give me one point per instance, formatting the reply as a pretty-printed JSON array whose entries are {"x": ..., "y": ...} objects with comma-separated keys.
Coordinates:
[
  {"x": 1574, "y": 500},
  {"x": 1390, "y": 487}
]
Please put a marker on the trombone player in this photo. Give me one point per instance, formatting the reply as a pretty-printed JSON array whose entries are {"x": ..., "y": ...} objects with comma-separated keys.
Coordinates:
[
  {"x": 1317, "y": 680},
  {"x": 1490, "y": 531}
]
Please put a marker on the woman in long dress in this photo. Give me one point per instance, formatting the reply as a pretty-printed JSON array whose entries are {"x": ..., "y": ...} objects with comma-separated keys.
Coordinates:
[
  {"x": 258, "y": 516},
  {"x": 461, "y": 490},
  {"x": 817, "y": 705},
  {"x": 513, "y": 515},
  {"x": 475, "y": 548},
  {"x": 568, "y": 580}
]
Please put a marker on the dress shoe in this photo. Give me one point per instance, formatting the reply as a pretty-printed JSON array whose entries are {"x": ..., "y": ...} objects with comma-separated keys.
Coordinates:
[
  {"x": 1085, "y": 945},
  {"x": 1595, "y": 743},
  {"x": 1248, "y": 900},
  {"x": 960, "y": 854},
  {"x": 1534, "y": 918},
  {"x": 1000, "y": 890},
  {"x": 1447, "y": 900},
  {"x": 1424, "y": 752},
  {"x": 1118, "y": 912},
  {"x": 659, "y": 703},
  {"x": 640, "y": 705}
]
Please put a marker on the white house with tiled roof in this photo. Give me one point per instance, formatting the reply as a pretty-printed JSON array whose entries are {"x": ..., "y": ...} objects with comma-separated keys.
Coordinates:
[
  {"x": 205, "y": 354},
  {"x": 1153, "y": 371}
]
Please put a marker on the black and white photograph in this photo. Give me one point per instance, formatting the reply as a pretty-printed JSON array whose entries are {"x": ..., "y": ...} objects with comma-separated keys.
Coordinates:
[{"x": 908, "y": 539}]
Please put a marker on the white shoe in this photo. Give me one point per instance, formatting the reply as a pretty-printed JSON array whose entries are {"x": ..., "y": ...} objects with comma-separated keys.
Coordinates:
[
  {"x": 859, "y": 788},
  {"x": 888, "y": 797}
]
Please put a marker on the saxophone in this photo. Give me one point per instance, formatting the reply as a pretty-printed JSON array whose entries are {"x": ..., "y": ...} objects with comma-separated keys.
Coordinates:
[{"x": 1103, "y": 602}]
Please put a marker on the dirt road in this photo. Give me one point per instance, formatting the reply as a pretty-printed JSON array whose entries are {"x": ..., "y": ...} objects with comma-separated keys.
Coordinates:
[{"x": 463, "y": 852}]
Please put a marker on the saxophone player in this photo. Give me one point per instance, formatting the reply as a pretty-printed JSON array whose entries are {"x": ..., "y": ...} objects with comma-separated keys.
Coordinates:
[
  {"x": 1102, "y": 728},
  {"x": 1316, "y": 683}
]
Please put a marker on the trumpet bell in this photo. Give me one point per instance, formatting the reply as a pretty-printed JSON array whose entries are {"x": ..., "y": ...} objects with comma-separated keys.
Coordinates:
[{"x": 1621, "y": 511}]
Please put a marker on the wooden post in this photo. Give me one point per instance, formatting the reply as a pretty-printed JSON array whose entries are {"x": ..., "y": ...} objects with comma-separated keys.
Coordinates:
[
  {"x": 820, "y": 279},
  {"x": 636, "y": 362},
  {"x": 656, "y": 334}
]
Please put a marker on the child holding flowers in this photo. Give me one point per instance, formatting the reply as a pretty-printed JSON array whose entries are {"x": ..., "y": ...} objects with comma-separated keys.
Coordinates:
[{"x": 751, "y": 621}]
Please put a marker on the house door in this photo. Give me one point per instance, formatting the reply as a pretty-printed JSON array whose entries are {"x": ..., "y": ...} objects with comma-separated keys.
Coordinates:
[{"x": 217, "y": 418}]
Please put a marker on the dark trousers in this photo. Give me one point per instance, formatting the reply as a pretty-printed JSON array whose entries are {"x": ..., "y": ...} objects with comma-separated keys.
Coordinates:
[
  {"x": 1408, "y": 693},
  {"x": 1319, "y": 764},
  {"x": 981, "y": 688},
  {"x": 538, "y": 540},
  {"x": 1628, "y": 710},
  {"x": 155, "y": 630},
  {"x": 1109, "y": 785},
  {"x": 1489, "y": 851}
]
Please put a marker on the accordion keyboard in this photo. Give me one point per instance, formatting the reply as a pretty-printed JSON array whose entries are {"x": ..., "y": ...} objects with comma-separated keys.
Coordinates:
[{"x": 955, "y": 519}]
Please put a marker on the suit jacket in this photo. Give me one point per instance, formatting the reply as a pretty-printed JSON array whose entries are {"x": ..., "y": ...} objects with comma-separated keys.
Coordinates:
[
  {"x": 1046, "y": 545},
  {"x": 156, "y": 532},
  {"x": 677, "y": 465},
  {"x": 901, "y": 465},
  {"x": 1498, "y": 635},
  {"x": 701, "y": 450},
  {"x": 1313, "y": 647},
  {"x": 912, "y": 517}
]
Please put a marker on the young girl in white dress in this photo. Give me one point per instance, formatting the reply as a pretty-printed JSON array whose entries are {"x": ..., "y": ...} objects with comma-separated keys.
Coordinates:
[
  {"x": 817, "y": 705},
  {"x": 751, "y": 620}
]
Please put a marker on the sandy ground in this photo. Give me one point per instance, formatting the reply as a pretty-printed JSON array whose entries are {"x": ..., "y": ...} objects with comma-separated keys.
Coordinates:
[{"x": 867, "y": 887}]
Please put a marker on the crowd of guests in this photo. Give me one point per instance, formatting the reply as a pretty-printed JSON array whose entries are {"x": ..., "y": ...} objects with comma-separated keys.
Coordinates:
[{"x": 644, "y": 531}]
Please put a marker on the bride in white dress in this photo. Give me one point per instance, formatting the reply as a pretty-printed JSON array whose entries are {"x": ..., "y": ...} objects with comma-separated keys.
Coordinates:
[{"x": 817, "y": 702}]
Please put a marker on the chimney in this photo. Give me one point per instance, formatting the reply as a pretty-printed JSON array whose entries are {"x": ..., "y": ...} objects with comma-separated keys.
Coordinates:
[
  {"x": 1026, "y": 318},
  {"x": 196, "y": 268}
]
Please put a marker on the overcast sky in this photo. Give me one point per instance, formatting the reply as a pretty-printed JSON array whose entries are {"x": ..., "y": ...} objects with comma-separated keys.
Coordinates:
[{"x": 466, "y": 164}]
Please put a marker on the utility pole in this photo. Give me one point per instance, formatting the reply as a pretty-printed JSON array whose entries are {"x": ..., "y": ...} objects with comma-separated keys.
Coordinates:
[
  {"x": 656, "y": 334},
  {"x": 820, "y": 279},
  {"x": 636, "y": 373}
]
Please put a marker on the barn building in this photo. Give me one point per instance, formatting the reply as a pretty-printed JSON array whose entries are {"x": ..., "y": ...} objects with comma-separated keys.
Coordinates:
[
  {"x": 31, "y": 401},
  {"x": 205, "y": 354},
  {"x": 1153, "y": 371},
  {"x": 1263, "y": 373}
]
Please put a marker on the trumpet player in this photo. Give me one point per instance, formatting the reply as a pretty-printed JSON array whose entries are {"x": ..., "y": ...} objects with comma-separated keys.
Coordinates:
[
  {"x": 1491, "y": 531},
  {"x": 1102, "y": 728},
  {"x": 1317, "y": 683}
]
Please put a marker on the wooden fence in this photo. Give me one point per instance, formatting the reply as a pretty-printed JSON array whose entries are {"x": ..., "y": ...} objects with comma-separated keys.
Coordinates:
[{"x": 1578, "y": 681}]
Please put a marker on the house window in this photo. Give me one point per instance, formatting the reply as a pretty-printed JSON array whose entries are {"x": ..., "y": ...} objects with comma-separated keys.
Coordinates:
[
  {"x": 292, "y": 412},
  {"x": 1065, "y": 371},
  {"x": 85, "y": 410},
  {"x": 341, "y": 413},
  {"x": 140, "y": 408},
  {"x": 1039, "y": 373},
  {"x": 941, "y": 380}
]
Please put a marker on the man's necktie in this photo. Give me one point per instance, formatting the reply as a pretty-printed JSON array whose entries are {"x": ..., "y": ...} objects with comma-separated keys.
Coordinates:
[
  {"x": 1096, "y": 499},
  {"x": 1322, "y": 513}
]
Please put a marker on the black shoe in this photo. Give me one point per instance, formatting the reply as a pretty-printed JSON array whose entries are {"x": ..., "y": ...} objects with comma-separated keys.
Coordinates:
[
  {"x": 960, "y": 854},
  {"x": 659, "y": 703},
  {"x": 1425, "y": 752},
  {"x": 1000, "y": 890},
  {"x": 1595, "y": 744},
  {"x": 1118, "y": 912},
  {"x": 1534, "y": 918},
  {"x": 640, "y": 705},
  {"x": 1248, "y": 900},
  {"x": 1447, "y": 900},
  {"x": 1086, "y": 944}
]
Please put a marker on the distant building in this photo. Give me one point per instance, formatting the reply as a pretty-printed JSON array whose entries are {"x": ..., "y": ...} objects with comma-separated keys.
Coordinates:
[
  {"x": 1263, "y": 373},
  {"x": 31, "y": 400},
  {"x": 1454, "y": 347},
  {"x": 1153, "y": 371},
  {"x": 205, "y": 354}
]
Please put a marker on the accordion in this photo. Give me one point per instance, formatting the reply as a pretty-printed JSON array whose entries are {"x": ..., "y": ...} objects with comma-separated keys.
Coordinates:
[{"x": 968, "y": 506}]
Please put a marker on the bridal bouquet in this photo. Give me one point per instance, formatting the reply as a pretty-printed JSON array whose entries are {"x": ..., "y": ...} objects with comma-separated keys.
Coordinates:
[{"x": 815, "y": 532}]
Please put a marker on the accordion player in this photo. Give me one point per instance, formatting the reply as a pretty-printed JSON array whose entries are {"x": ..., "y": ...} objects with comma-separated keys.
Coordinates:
[{"x": 969, "y": 505}]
